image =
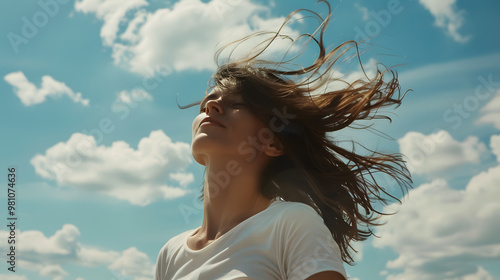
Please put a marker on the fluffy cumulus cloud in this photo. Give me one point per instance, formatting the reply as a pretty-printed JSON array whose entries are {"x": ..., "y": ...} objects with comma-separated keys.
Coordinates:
[
  {"x": 445, "y": 233},
  {"x": 48, "y": 255},
  {"x": 169, "y": 38},
  {"x": 139, "y": 176},
  {"x": 431, "y": 154},
  {"x": 112, "y": 12},
  {"x": 491, "y": 111},
  {"x": 133, "y": 262},
  {"x": 31, "y": 95},
  {"x": 447, "y": 17}
]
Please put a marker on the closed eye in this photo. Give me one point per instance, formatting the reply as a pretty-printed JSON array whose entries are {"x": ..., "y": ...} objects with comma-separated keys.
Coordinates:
[
  {"x": 233, "y": 105},
  {"x": 238, "y": 105}
]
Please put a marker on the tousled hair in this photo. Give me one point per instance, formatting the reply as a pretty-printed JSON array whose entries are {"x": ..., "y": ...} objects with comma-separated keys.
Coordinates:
[{"x": 339, "y": 184}]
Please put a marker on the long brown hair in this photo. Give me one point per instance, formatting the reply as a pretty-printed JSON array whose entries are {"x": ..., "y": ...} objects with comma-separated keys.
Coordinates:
[{"x": 339, "y": 184}]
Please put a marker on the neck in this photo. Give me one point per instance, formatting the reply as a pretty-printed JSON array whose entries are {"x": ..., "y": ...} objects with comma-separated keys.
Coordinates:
[{"x": 231, "y": 195}]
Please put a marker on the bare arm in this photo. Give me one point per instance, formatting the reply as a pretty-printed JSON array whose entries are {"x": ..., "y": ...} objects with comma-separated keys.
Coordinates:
[{"x": 327, "y": 275}]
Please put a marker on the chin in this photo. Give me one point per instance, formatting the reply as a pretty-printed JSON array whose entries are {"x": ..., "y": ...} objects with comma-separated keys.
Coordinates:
[
  {"x": 201, "y": 147},
  {"x": 199, "y": 159}
]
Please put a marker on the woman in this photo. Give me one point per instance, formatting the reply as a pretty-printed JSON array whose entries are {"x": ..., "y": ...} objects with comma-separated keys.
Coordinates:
[{"x": 281, "y": 200}]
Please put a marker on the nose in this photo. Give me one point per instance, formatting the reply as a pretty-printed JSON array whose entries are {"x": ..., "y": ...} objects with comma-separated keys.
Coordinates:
[{"x": 213, "y": 105}]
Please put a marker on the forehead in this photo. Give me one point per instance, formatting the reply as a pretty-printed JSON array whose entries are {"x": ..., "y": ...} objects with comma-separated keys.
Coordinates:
[{"x": 217, "y": 91}]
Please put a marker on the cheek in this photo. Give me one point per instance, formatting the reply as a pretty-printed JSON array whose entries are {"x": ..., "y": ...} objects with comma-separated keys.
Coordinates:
[
  {"x": 260, "y": 131},
  {"x": 252, "y": 127}
]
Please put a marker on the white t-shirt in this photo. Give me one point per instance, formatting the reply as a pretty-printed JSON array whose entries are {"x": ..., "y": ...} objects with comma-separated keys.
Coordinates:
[{"x": 287, "y": 240}]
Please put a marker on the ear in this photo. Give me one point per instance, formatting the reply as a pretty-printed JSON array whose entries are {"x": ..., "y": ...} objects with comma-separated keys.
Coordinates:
[{"x": 274, "y": 149}]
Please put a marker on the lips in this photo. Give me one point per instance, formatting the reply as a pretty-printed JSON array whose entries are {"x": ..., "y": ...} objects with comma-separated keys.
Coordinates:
[{"x": 210, "y": 120}]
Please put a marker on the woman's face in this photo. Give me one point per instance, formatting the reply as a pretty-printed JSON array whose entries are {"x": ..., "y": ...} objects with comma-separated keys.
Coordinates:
[{"x": 226, "y": 127}]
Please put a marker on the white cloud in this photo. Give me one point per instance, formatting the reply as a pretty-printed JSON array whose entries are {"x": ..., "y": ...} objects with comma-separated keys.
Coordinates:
[
  {"x": 90, "y": 256},
  {"x": 137, "y": 176},
  {"x": 367, "y": 72},
  {"x": 434, "y": 153},
  {"x": 364, "y": 11},
  {"x": 182, "y": 37},
  {"x": 11, "y": 276},
  {"x": 112, "y": 12},
  {"x": 495, "y": 145},
  {"x": 46, "y": 255},
  {"x": 31, "y": 95},
  {"x": 132, "y": 262},
  {"x": 137, "y": 95},
  {"x": 445, "y": 233},
  {"x": 447, "y": 17},
  {"x": 131, "y": 33},
  {"x": 481, "y": 274},
  {"x": 491, "y": 111},
  {"x": 61, "y": 243},
  {"x": 183, "y": 178},
  {"x": 54, "y": 271}
]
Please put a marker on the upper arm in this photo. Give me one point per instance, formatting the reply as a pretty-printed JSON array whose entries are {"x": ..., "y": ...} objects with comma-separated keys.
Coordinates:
[
  {"x": 309, "y": 247},
  {"x": 326, "y": 275}
]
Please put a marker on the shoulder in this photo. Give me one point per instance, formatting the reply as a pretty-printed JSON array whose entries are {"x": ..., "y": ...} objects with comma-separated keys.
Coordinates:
[
  {"x": 306, "y": 244},
  {"x": 289, "y": 208},
  {"x": 298, "y": 225},
  {"x": 168, "y": 250},
  {"x": 297, "y": 214}
]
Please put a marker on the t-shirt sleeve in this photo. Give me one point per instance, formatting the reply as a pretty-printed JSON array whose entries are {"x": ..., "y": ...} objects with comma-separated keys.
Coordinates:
[{"x": 309, "y": 247}]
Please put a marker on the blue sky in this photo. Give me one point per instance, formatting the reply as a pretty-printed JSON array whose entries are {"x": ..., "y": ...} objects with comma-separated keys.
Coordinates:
[{"x": 104, "y": 171}]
